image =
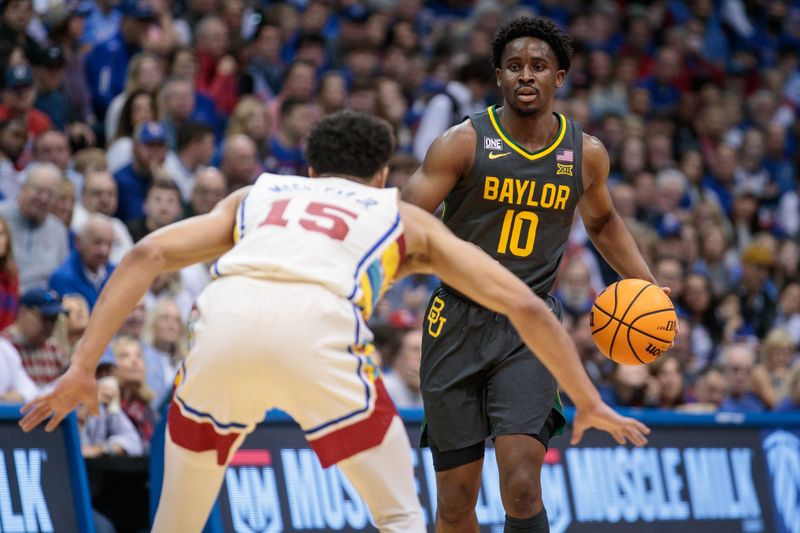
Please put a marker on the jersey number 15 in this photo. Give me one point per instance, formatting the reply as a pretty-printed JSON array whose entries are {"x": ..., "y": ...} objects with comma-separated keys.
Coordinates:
[{"x": 335, "y": 225}]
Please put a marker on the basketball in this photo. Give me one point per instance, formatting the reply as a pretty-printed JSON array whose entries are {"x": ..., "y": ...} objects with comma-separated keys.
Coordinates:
[{"x": 633, "y": 322}]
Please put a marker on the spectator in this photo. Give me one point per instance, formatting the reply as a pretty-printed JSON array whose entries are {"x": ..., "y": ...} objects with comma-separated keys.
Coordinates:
[
  {"x": 134, "y": 180},
  {"x": 65, "y": 25},
  {"x": 15, "y": 384},
  {"x": 30, "y": 222},
  {"x": 217, "y": 69},
  {"x": 19, "y": 94},
  {"x": 15, "y": 17},
  {"x": 628, "y": 386},
  {"x": 697, "y": 303},
  {"x": 250, "y": 118},
  {"x": 791, "y": 399},
  {"x": 139, "y": 108},
  {"x": 161, "y": 207},
  {"x": 64, "y": 205},
  {"x": 758, "y": 306},
  {"x": 667, "y": 386},
  {"x": 110, "y": 433},
  {"x": 464, "y": 95},
  {"x": 575, "y": 288},
  {"x": 263, "y": 74},
  {"x": 787, "y": 262},
  {"x": 183, "y": 68},
  {"x": 102, "y": 22},
  {"x": 178, "y": 102},
  {"x": 100, "y": 196},
  {"x": 402, "y": 382},
  {"x": 107, "y": 63},
  {"x": 737, "y": 362},
  {"x": 286, "y": 147},
  {"x": 71, "y": 323},
  {"x": 392, "y": 107},
  {"x": 788, "y": 313},
  {"x": 9, "y": 278},
  {"x": 209, "y": 188},
  {"x": 13, "y": 137},
  {"x": 52, "y": 99},
  {"x": 710, "y": 391},
  {"x": 53, "y": 147},
  {"x": 30, "y": 333},
  {"x": 669, "y": 272},
  {"x": 332, "y": 95},
  {"x": 145, "y": 74},
  {"x": 194, "y": 148},
  {"x": 770, "y": 375},
  {"x": 164, "y": 330},
  {"x": 87, "y": 270},
  {"x": 135, "y": 396},
  {"x": 239, "y": 163},
  {"x": 298, "y": 84},
  {"x": 158, "y": 373},
  {"x": 715, "y": 261}
]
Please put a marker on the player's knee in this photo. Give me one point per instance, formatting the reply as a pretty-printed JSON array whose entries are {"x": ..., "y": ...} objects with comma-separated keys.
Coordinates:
[
  {"x": 523, "y": 494},
  {"x": 455, "y": 501}
]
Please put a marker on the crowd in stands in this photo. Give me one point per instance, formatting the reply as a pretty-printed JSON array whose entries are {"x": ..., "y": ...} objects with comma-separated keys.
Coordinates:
[{"x": 120, "y": 117}]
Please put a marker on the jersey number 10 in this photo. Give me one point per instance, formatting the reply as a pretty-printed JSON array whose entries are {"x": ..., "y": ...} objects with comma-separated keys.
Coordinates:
[
  {"x": 336, "y": 225},
  {"x": 511, "y": 233}
]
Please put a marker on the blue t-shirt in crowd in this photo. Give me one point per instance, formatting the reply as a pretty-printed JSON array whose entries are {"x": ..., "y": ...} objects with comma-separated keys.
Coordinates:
[
  {"x": 106, "y": 68},
  {"x": 749, "y": 403},
  {"x": 283, "y": 160},
  {"x": 132, "y": 188}
]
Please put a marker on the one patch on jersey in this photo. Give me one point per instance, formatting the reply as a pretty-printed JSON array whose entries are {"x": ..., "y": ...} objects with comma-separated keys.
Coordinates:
[
  {"x": 564, "y": 170},
  {"x": 490, "y": 143}
]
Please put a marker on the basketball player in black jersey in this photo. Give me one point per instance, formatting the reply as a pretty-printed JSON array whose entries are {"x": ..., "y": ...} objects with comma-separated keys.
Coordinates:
[{"x": 511, "y": 178}]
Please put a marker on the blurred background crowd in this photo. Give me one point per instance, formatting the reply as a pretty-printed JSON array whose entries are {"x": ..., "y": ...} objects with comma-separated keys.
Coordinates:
[{"x": 119, "y": 117}]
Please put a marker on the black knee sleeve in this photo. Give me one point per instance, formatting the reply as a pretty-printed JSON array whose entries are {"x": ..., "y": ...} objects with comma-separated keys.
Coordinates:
[{"x": 535, "y": 524}]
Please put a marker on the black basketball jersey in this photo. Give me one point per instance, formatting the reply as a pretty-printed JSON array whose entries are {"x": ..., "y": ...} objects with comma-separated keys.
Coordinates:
[{"x": 516, "y": 205}]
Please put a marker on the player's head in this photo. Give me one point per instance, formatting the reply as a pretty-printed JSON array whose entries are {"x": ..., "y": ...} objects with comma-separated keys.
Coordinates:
[
  {"x": 531, "y": 57},
  {"x": 350, "y": 144}
]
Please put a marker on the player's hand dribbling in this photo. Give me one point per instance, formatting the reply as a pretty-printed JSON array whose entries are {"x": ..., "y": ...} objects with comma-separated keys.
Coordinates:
[
  {"x": 73, "y": 388},
  {"x": 606, "y": 419}
]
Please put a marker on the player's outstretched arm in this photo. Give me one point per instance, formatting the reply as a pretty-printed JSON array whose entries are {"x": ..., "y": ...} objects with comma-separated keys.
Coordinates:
[
  {"x": 603, "y": 224},
  {"x": 450, "y": 156},
  {"x": 432, "y": 248},
  {"x": 190, "y": 241}
]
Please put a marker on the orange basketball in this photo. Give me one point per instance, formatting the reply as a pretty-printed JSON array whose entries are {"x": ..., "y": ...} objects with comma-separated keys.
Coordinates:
[{"x": 633, "y": 322}]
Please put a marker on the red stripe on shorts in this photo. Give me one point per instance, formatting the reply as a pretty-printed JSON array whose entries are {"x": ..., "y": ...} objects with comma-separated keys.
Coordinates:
[
  {"x": 198, "y": 436},
  {"x": 363, "y": 435}
]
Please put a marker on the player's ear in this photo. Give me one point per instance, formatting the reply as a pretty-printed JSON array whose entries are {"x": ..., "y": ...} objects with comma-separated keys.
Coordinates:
[
  {"x": 497, "y": 76},
  {"x": 312, "y": 172},
  {"x": 560, "y": 75}
]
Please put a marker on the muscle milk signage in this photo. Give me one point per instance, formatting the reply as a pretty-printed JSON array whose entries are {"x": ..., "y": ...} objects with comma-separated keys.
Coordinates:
[
  {"x": 720, "y": 479},
  {"x": 36, "y": 494}
]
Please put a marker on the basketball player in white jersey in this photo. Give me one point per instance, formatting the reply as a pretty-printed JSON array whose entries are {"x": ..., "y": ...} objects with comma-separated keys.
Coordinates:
[{"x": 302, "y": 264}]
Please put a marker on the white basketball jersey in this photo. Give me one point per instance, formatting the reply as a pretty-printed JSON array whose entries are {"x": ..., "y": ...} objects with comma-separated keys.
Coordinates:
[{"x": 340, "y": 234}]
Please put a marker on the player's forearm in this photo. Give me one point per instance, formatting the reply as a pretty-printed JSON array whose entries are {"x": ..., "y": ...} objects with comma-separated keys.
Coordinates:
[
  {"x": 615, "y": 243},
  {"x": 124, "y": 289},
  {"x": 551, "y": 344}
]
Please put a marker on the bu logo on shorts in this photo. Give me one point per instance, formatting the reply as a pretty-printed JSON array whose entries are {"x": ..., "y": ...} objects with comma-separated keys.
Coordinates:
[{"x": 435, "y": 319}]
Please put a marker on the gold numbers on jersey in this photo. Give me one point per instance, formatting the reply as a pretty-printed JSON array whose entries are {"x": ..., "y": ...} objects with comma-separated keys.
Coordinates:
[{"x": 511, "y": 233}]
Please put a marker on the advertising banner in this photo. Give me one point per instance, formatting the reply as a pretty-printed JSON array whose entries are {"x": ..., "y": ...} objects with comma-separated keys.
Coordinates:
[
  {"x": 43, "y": 486},
  {"x": 723, "y": 479}
]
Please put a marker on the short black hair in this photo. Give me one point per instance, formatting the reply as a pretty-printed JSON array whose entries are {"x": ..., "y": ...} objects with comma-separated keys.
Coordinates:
[
  {"x": 350, "y": 143},
  {"x": 539, "y": 28},
  {"x": 191, "y": 131}
]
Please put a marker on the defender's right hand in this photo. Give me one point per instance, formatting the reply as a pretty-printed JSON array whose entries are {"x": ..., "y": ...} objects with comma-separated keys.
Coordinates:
[
  {"x": 73, "y": 388},
  {"x": 606, "y": 419}
]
